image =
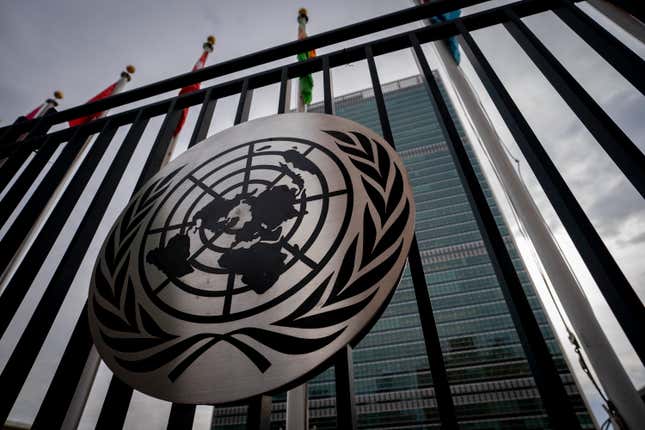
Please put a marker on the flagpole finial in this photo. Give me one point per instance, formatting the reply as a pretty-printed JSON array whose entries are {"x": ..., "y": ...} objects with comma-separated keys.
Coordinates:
[
  {"x": 210, "y": 42},
  {"x": 129, "y": 70},
  {"x": 57, "y": 96},
  {"x": 302, "y": 14}
]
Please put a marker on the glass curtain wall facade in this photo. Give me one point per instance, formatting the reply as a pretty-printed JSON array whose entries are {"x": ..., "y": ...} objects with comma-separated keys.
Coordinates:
[{"x": 489, "y": 375}]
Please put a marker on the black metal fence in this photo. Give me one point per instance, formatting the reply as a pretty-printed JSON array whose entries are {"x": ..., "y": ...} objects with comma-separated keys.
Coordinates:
[{"x": 621, "y": 297}]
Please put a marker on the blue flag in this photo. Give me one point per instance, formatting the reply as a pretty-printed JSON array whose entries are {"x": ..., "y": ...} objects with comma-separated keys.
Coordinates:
[{"x": 451, "y": 41}]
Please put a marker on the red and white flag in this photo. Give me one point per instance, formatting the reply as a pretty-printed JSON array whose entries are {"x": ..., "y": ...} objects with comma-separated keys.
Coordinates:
[
  {"x": 34, "y": 113},
  {"x": 112, "y": 89},
  {"x": 200, "y": 64}
]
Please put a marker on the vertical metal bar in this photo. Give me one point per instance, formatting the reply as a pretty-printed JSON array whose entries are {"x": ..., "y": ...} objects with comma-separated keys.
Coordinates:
[
  {"x": 378, "y": 97},
  {"x": 14, "y": 162},
  {"x": 25, "y": 220},
  {"x": 611, "y": 373},
  {"x": 447, "y": 413},
  {"x": 24, "y": 355},
  {"x": 13, "y": 145},
  {"x": 624, "y": 60},
  {"x": 10, "y": 141},
  {"x": 244, "y": 105},
  {"x": 545, "y": 373},
  {"x": 259, "y": 413},
  {"x": 81, "y": 395},
  {"x": 159, "y": 151},
  {"x": 203, "y": 120},
  {"x": 629, "y": 159},
  {"x": 611, "y": 281},
  {"x": 181, "y": 417},
  {"x": 79, "y": 347},
  {"x": 158, "y": 156},
  {"x": 328, "y": 87},
  {"x": 57, "y": 402},
  {"x": 259, "y": 410},
  {"x": 115, "y": 406},
  {"x": 298, "y": 408},
  {"x": 298, "y": 397},
  {"x": 16, "y": 289},
  {"x": 445, "y": 403},
  {"x": 346, "y": 414},
  {"x": 27, "y": 177},
  {"x": 284, "y": 100}
]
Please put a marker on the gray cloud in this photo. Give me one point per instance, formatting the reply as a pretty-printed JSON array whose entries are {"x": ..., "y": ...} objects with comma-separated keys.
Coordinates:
[
  {"x": 622, "y": 209},
  {"x": 634, "y": 240}
]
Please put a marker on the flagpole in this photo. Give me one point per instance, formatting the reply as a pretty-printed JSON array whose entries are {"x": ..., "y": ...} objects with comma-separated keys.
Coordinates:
[
  {"x": 298, "y": 397},
  {"x": 74, "y": 413},
  {"x": 302, "y": 34},
  {"x": 611, "y": 373},
  {"x": 305, "y": 83},
  {"x": 84, "y": 386},
  {"x": 124, "y": 78},
  {"x": 49, "y": 103},
  {"x": 91, "y": 368},
  {"x": 608, "y": 368},
  {"x": 207, "y": 48},
  {"x": 40, "y": 111}
]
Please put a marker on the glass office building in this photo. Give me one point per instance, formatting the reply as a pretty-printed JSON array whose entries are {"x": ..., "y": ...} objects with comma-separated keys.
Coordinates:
[{"x": 489, "y": 375}]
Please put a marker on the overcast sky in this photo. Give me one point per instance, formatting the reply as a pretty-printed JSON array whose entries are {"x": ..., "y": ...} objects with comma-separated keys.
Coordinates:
[{"x": 80, "y": 47}]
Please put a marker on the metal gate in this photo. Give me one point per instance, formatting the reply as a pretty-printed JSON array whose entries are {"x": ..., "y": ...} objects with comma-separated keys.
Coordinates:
[{"x": 28, "y": 155}]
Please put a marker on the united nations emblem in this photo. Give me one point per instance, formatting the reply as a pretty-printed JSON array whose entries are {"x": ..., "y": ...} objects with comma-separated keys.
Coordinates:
[{"x": 247, "y": 262}]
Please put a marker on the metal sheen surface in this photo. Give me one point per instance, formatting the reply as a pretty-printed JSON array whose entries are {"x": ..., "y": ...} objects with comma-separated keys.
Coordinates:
[{"x": 251, "y": 259}]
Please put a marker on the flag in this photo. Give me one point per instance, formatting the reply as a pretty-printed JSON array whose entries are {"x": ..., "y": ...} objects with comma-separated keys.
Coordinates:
[
  {"x": 307, "y": 81},
  {"x": 452, "y": 43},
  {"x": 112, "y": 89},
  {"x": 200, "y": 64},
  {"x": 34, "y": 113},
  {"x": 103, "y": 94}
]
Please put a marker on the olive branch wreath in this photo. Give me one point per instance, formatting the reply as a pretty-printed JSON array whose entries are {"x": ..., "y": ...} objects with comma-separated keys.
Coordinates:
[{"x": 138, "y": 332}]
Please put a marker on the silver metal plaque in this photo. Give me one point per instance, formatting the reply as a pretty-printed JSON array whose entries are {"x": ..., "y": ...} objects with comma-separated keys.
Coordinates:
[{"x": 248, "y": 261}]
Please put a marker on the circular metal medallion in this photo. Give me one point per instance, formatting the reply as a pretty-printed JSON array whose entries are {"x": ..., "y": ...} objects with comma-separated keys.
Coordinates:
[{"x": 252, "y": 258}]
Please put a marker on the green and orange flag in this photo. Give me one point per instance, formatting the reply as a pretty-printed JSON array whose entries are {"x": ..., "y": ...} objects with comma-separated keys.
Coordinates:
[{"x": 307, "y": 81}]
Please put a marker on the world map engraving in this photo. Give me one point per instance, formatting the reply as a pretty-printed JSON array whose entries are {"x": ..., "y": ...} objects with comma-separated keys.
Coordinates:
[
  {"x": 256, "y": 220},
  {"x": 251, "y": 259}
]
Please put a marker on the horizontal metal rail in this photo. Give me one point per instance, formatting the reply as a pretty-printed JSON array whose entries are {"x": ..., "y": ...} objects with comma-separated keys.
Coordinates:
[
  {"x": 320, "y": 40},
  {"x": 337, "y": 58},
  {"x": 472, "y": 22}
]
